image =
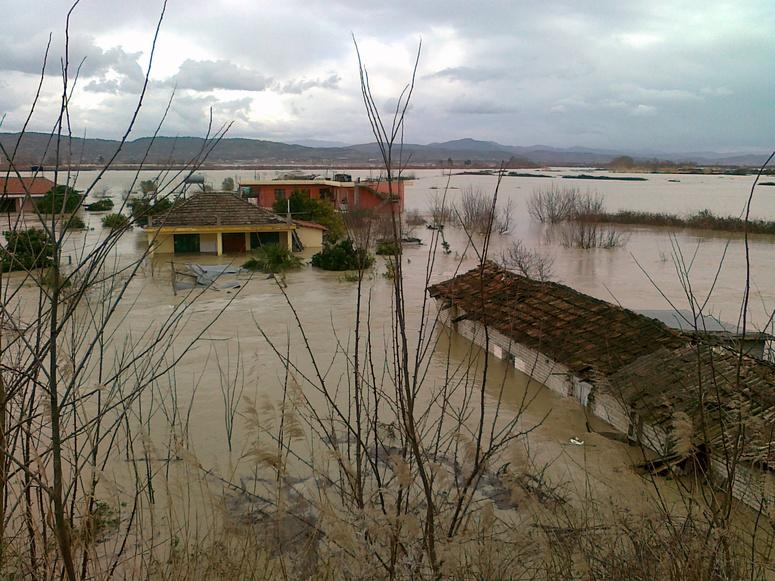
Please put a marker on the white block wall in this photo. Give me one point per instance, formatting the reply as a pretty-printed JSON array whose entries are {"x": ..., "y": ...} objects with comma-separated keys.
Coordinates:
[
  {"x": 753, "y": 486},
  {"x": 553, "y": 375}
]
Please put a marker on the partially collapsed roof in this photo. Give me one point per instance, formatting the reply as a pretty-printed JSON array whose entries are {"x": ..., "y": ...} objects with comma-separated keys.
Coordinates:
[
  {"x": 726, "y": 397},
  {"x": 579, "y": 331},
  {"x": 216, "y": 209}
]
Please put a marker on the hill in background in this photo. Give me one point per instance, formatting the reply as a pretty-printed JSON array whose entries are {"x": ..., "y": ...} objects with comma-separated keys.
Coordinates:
[{"x": 37, "y": 149}]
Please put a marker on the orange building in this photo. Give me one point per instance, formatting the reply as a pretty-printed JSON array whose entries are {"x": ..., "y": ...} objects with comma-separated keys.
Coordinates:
[
  {"x": 341, "y": 191},
  {"x": 19, "y": 195}
]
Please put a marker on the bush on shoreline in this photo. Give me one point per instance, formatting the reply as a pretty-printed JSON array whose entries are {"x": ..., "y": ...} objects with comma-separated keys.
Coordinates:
[{"x": 554, "y": 205}]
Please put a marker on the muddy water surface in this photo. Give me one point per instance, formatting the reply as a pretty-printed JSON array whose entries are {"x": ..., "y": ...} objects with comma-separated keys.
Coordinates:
[{"x": 640, "y": 275}]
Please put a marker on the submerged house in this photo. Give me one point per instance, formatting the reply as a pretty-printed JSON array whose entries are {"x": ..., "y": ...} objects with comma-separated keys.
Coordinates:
[
  {"x": 20, "y": 194},
  {"x": 630, "y": 370},
  {"x": 562, "y": 338},
  {"x": 344, "y": 193},
  {"x": 221, "y": 222}
]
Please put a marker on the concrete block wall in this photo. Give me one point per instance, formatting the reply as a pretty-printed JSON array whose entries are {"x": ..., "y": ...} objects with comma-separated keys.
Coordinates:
[{"x": 553, "y": 375}]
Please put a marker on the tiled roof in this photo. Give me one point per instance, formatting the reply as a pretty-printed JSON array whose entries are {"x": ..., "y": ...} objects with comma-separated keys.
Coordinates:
[
  {"x": 36, "y": 186},
  {"x": 583, "y": 333},
  {"x": 308, "y": 224},
  {"x": 705, "y": 382},
  {"x": 217, "y": 209}
]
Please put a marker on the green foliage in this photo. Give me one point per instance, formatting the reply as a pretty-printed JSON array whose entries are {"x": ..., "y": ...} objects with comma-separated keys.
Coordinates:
[
  {"x": 115, "y": 221},
  {"x": 342, "y": 255},
  {"x": 148, "y": 186},
  {"x": 103, "y": 205},
  {"x": 320, "y": 211},
  {"x": 60, "y": 199},
  {"x": 227, "y": 185},
  {"x": 388, "y": 248},
  {"x": 350, "y": 276},
  {"x": 26, "y": 249},
  {"x": 75, "y": 223},
  {"x": 272, "y": 258},
  {"x": 142, "y": 208}
]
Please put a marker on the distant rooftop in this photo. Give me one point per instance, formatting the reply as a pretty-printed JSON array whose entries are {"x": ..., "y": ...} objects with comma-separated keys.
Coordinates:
[{"x": 15, "y": 187}]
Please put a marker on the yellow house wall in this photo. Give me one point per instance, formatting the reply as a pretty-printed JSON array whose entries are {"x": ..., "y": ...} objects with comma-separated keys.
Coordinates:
[
  {"x": 310, "y": 237},
  {"x": 162, "y": 243},
  {"x": 210, "y": 238}
]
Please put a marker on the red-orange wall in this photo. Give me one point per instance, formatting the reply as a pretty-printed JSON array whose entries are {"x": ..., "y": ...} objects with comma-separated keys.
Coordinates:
[{"x": 343, "y": 196}]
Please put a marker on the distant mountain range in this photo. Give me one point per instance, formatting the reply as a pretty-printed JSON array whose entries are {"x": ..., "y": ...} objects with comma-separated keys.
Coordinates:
[{"x": 35, "y": 149}]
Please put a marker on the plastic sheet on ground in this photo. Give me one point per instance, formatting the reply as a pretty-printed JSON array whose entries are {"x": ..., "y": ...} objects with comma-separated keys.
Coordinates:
[{"x": 215, "y": 276}]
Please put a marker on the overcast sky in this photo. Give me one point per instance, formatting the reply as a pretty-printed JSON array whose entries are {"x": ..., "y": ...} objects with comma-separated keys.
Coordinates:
[{"x": 638, "y": 74}]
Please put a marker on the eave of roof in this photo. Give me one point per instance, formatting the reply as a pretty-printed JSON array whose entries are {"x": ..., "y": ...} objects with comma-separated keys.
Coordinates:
[
  {"x": 585, "y": 334},
  {"x": 308, "y": 224}
]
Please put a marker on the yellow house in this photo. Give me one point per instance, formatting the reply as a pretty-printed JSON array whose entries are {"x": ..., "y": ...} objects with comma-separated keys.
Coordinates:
[
  {"x": 310, "y": 234},
  {"x": 217, "y": 223}
]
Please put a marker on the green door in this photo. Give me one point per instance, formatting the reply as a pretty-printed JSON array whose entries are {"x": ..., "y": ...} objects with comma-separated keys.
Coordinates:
[{"x": 186, "y": 243}]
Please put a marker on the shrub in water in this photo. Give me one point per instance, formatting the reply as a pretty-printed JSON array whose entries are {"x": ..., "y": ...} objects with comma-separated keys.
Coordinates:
[
  {"x": 104, "y": 205},
  {"x": 60, "y": 199},
  {"x": 342, "y": 256},
  {"x": 75, "y": 223},
  {"x": 388, "y": 248},
  {"x": 272, "y": 258},
  {"x": 26, "y": 249},
  {"x": 115, "y": 221}
]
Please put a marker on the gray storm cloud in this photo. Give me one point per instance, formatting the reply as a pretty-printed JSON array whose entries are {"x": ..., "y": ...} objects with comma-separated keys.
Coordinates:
[{"x": 641, "y": 74}]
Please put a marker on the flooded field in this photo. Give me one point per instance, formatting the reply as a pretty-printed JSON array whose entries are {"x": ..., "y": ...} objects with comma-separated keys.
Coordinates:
[
  {"x": 237, "y": 333},
  {"x": 617, "y": 275}
]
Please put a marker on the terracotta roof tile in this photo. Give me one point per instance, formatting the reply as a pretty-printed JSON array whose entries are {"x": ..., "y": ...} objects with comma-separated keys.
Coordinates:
[
  {"x": 217, "y": 209},
  {"x": 572, "y": 328},
  {"x": 36, "y": 186}
]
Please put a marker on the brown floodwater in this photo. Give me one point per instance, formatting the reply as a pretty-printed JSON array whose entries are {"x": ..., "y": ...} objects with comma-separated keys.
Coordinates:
[{"x": 641, "y": 275}]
